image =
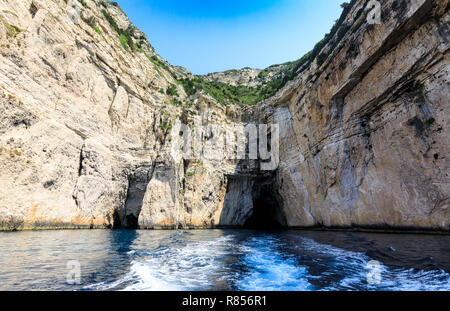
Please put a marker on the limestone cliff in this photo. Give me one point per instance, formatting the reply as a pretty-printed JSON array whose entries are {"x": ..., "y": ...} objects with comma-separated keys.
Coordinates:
[{"x": 92, "y": 123}]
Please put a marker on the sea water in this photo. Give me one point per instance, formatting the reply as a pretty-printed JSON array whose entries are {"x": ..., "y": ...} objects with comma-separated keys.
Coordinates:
[{"x": 222, "y": 260}]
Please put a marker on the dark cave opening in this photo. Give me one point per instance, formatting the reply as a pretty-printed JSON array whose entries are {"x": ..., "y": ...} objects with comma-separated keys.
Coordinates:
[
  {"x": 127, "y": 217},
  {"x": 129, "y": 221},
  {"x": 267, "y": 213}
]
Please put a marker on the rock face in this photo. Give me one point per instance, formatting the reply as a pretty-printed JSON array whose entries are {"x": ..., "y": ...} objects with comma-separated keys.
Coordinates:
[
  {"x": 372, "y": 126},
  {"x": 93, "y": 124},
  {"x": 249, "y": 76}
]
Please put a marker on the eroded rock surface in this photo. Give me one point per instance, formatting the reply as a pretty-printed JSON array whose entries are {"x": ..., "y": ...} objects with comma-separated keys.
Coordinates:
[{"x": 91, "y": 123}]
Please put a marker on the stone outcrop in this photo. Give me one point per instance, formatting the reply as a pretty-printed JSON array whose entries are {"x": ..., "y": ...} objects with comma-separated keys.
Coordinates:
[{"x": 92, "y": 123}]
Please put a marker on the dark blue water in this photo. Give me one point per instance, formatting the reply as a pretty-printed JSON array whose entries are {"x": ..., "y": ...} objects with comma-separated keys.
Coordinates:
[{"x": 223, "y": 260}]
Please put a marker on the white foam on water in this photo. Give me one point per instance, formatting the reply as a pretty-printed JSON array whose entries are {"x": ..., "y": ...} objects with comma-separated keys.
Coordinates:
[
  {"x": 192, "y": 267},
  {"x": 402, "y": 279},
  {"x": 147, "y": 278},
  {"x": 269, "y": 270},
  {"x": 264, "y": 266},
  {"x": 355, "y": 267}
]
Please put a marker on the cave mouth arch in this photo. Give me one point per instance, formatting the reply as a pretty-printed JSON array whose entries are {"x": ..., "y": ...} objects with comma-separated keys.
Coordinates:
[{"x": 267, "y": 209}]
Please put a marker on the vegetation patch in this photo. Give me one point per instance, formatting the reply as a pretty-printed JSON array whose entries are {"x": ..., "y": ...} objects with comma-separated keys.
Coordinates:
[
  {"x": 176, "y": 102},
  {"x": 125, "y": 35},
  {"x": 172, "y": 90},
  {"x": 264, "y": 74},
  {"x": 97, "y": 30},
  {"x": 154, "y": 59},
  {"x": 165, "y": 126},
  {"x": 84, "y": 4},
  {"x": 243, "y": 95},
  {"x": 11, "y": 30},
  {"x": 124, "y": 42}
]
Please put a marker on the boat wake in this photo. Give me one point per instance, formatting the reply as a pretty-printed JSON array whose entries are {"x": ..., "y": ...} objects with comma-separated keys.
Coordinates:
[{"x": 263, "y": 263}]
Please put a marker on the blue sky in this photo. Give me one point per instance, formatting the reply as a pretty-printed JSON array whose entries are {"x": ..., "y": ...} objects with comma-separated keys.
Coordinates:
[{"x": 216, "y": 35}]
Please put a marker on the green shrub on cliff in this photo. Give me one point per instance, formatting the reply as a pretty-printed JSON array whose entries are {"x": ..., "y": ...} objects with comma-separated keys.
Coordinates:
[
  {"x": 224, "y": 93},
  {"x": 111, "y": 21},
  {"x": 124, "y": 41},
  {"x": 97, "y": 30},
  {"x": 172, "y": 90},
  {"x": 125, "y": 35},
  {"x": 243, "y": 95},
  {"x": 83, "y": 3}
]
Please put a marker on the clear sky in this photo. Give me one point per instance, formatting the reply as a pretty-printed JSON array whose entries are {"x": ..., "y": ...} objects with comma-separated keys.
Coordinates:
[{"x": 216, "y": 35}]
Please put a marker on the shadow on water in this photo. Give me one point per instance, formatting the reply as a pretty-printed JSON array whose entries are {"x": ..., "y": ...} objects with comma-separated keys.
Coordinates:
[
  {"x": 118, "y": 244},
  {"x": 38, "y": 260}
]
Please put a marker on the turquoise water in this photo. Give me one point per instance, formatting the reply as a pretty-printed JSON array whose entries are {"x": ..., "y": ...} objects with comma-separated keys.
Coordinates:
[{"x": 222, "y": 260}]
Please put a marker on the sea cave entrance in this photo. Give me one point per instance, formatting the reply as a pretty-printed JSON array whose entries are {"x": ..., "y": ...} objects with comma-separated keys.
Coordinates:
[
  {"x": 252, "y": 202},
  {"x": 267, "y": 212}
]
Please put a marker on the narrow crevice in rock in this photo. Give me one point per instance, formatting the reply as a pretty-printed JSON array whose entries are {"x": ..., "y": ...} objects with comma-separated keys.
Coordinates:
[
  {"x": 80, "y": 166},
  {"x": 80, "y": 171},
  {"x": 33, "y": 9},
  {"x": 128, "y": 216}
]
